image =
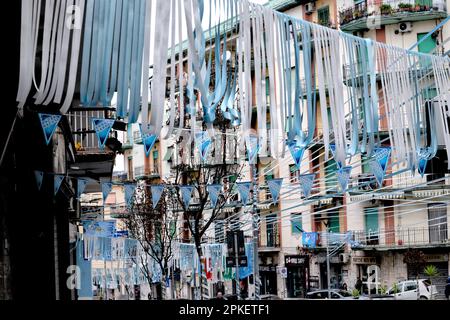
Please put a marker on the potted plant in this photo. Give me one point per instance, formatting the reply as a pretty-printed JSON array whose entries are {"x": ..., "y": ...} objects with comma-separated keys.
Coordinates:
[
  {"x": 404, "y": 6},
  {"x": 386, "y": 9},
  {"x": 355, "y": 293},
  {"x": 395, "y": 290},
  {"x": 431, "y": 271},
  {"x": 383, "y": 289}
]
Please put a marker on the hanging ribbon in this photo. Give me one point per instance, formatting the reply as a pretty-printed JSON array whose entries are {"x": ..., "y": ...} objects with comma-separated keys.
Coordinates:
[
  {"x": 186, "y": 195},
  {"x": 343, "y": 176},
  {"x": 156, "y": 194},
  {"x": 39, "y": 175},
  {"x": 214, "y": 191},
  {"x": 57, "y": 180},
  {"x": 274, "y": 188},
  {"x": 102, "y": 128},
  {"x": 49, "y": 123},
  {"x": 306, "y": 183}
]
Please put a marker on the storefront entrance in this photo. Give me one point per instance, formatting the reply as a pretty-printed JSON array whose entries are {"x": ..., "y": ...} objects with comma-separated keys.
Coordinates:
[
  {"x": 268, "y": 276},
  {"x": 297, "y": 276}
]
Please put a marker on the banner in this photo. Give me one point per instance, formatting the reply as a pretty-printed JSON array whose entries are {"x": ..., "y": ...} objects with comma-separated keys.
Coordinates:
[
  {"x": 309, "y": 239},
  {"x": 102, "y": 127},
  {"x": 186, "y": 195},
  {"x": 214, "y": 191},
  {"x": 148, "y": 140},
  {"x": 306, "y": 183},
  {"x": 81, "y": 185},
  {"x": 39, "y": 175},
  {"x": 57, "y": 180},
  {"x": 49, "y": 123},
  {"x": 244, "y": 190},
  {"x": 343, "y": 175},
  {"x": 203, "y": 143},
  {"x": 156, "y": 194},
  {"x": 274, "y": 188},
  {"x": 85, "y": 268},
  {"x": 252, "y": 148},
  {"x": 244, "y": 272},
  {"x": 106, "y": 189},
  {"x": 129, "y": 192},
  {"x": 104, "y": 229},
  {"x": 297, "y": 153}
]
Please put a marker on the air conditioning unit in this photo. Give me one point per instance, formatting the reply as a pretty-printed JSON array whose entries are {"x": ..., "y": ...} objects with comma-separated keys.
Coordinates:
[
  {"x": 405, "y": 27},
  {"x": 310, "y": 7},
  {"x": 343, "y": 257}
]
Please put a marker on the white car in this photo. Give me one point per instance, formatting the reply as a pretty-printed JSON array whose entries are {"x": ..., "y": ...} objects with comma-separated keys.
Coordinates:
[{"x": 407, "y": 290}]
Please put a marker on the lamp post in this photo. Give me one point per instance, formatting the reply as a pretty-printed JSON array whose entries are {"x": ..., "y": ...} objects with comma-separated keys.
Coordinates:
[{"x": 328, "y": 259}]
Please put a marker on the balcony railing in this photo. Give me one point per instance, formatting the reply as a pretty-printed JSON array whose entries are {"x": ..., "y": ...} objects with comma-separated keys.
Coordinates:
[
  {"x": 390, "y": 8},
  {"x": 140, "y": 172},
  {"x": 401, "y": 237}
]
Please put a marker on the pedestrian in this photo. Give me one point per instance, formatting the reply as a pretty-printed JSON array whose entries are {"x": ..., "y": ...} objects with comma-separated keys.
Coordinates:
[
  {"x": 220, "y": 296},
  {"x": 344, "y": 286},
  {"x": 358, "y": 285},
  {"x": 447, "y": 289}
]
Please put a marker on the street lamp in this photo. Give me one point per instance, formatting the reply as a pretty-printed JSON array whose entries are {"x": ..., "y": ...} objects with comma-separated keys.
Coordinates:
[{"x": 327, "y": 223}]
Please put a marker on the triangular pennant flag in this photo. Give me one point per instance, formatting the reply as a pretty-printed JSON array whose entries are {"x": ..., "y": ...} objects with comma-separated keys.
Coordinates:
[
  {"x": 39, "y": 176},
  {"x": 306, "y": 182},
  {"x": 343, "y": 175},
  {"x": 382, "y": 157},
  {"x": 203, "y": 142},
  {"x": 81, "y": 185},
  {"x": 377, "y": 171},
  {"x": 274, "y": 188},
  {"x": 252, "y": 148},
  {"x": 333, "y": 152},
  {"x": 214, "y": 191},
  {"x": 102, "y": 127},
  {"x": 156, "y": 194},
  {"x": 244, "y": 190},
  {"x": 57, "y": 180},
  {"x": 297, "y": 153},
  {"x": 422, "y": 165},
  {"x": 49, "y": 123},
  {"x": 106, "y": 189},
  {"x": 129, "y": 192},
  {"x": 186, "y": 195},
  {"x": 148, "y": 140}
]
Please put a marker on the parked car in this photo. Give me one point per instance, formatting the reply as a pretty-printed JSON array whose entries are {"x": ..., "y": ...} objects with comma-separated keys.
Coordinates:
[
  {"x": 407, "y": 290},
  {"x": 334, "y": 294},
  {"x": 269, "y": 297}
]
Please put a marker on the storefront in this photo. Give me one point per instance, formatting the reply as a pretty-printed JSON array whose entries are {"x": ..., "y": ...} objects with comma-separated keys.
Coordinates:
[
  {"x": 268, "y": 276},
  {"x": 362, "y": 263},
  {"x": 297, "y": 281}
]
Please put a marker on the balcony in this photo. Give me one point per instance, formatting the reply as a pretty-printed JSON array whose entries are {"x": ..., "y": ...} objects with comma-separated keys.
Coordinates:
[
  {"x": 152, "y": 173},
  {"x": 401, "y": 238},
  {"x": 269, "y": 243},
  {"x": 387, "y": 12}
]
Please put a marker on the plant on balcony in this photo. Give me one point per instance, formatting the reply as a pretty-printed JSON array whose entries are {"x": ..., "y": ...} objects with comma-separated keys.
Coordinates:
[
  {"x": 383, "y": 289},
  {"x": 386, "y": 9},
  {"x": 405, "y": 6},
  {"x": 431, "y": 271},
  {"x": 358, "y": 14}
]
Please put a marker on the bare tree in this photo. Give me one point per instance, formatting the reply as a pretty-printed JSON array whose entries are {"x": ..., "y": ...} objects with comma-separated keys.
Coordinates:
[{"x": 154, "y": 229}]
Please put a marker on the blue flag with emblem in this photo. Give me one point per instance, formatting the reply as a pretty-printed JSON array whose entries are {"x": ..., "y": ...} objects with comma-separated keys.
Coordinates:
[
  {"x": 81, "y": 185},
  {"x": 252, "y": 148},
  {"x": 186, "y": 194},
  {"x": 309, "y": 239},
  {"x": 422, "y": 165},
  {"x": 203, "y": 142},
  {"x": 214, "y": 191},
  {"x": 57, "y": 180},
  {"x": 39, "y": 175},
  {"x": 244, "y": 190},
  {"x": 156, "y": 194},
  {"x": 379, "y": 163},
  {"x": 106, "y": 189},
  {"x": 343, "y": 176},
  {"x": 306, "y": 183},
  {"x": 297, "y": 153},
  {"x": 49, "y": 123},
  {"x": 148, "y": 140},
  {"x": 129, "y": 192},
  {"x": 102, "y": 128},
  {"x": 274, "y": 188}
]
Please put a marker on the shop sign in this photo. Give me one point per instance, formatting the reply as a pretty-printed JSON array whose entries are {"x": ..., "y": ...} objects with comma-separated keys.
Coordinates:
[
  {"x": 436, "y": 257},
  {"x": 282, "y": 271},
  {"x": 267, "y": 268},
  {"x": 364, "y": 260},
  {"x": 295, "y": 260}
]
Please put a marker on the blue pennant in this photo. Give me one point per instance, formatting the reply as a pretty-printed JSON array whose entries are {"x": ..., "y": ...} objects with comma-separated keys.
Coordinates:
[
  {"x": 203, "y": 142},
  {"x": 274, "y": 188},
  {"x": 81, "y": 185},
  {"x": 148, "y": 139},
  {"x": 377, "y": 171},
  {"x": 333, "y": 152},
  {"x": 129, "y": 192},
  {"x": 186, "y": 195},
  {"x": 306, "y": 182},
  {"x": 343, "y": 175},
  {"x": 214, "y": 191},
  {"x": 382, "y": 156},
  {"x": 39, "y": 175},
  {"x": 244, "y": 190},
  {"x": 49, "y": 123},
  {"x": 102, "y": 127},
  {"x": 106, "y": 189},
  {"x": 297, "y": 153},
  {"x": 156, "y": 194},
  {"x": 309, "y": 239},
  {"x": 57, "y": 180},
  {"x": 252, "y": 148},
  {"x": 422, "y": 166}
]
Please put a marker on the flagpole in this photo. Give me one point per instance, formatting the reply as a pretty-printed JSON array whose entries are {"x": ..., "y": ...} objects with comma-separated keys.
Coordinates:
[{"x": 255, "y": 233}]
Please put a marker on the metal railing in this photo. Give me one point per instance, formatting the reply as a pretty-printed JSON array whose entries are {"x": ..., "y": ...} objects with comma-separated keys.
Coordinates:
[
  {"x": 389, "y": 7},
  {"x": 436, "y": 234}
]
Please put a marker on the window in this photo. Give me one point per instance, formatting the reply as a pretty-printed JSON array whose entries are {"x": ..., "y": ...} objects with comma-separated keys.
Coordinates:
[
  {"x": 130, "y": 168},
  {"x": 437, "y": 222},
  {"x": 410, "y": 286},
  {"x": 427, "y": 45},
  {"x": 293, "y": 173},
  {"x": 324, "y": 15},
  {"x": 330, "y": 174},
  {"x": 296, "y": 223},
  {"x": 334, "y": 222},
  {"x": 334, "y": 295}
]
